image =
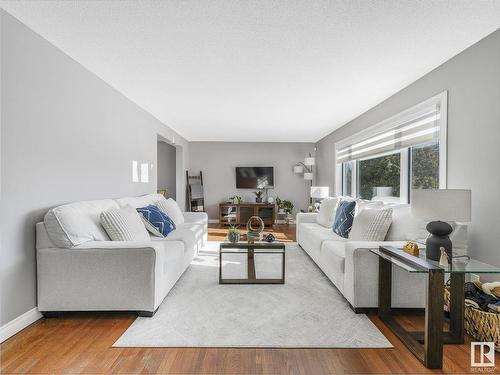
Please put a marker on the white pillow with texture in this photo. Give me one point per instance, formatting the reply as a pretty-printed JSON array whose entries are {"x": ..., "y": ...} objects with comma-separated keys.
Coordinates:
[
  {"x": 124, "y": 224},
  {"x": 371, "y": 224},
  {"x": 172, "y": 209},
  {"x": 326, "y": 213}
]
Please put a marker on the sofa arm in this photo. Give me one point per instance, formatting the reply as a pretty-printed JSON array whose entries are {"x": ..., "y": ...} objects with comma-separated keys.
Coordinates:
[
  {"x": 100, "y": 275},
  {"x": 361, "y": 278},
  {"x": 306, "y": 217},
  {"x": 303, "y": 217},
  {"x": 191, "y": 217}
]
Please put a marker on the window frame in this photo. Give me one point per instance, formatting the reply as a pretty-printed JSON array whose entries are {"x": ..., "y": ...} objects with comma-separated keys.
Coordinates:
[{"x": 441, "y": 100}]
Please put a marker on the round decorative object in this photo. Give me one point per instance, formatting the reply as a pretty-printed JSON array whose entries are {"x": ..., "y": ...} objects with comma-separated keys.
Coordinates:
[
  {"x": 270, "y": 200},
  {"x": 270, "y": 237},
  {"x": 254, "y": 234}
]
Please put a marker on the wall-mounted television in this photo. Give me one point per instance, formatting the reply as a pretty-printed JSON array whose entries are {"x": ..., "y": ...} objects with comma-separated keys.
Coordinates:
[{"x": 254, "y": 177}]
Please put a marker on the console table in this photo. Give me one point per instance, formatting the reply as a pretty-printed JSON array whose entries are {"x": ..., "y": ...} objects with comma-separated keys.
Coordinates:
[
  {"x": 428, "y": 345},
  {"x": 239, "y": 214}
]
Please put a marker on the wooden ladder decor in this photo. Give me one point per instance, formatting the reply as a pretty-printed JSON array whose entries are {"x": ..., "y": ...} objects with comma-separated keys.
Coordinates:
[{"x": 194, "y": 193}]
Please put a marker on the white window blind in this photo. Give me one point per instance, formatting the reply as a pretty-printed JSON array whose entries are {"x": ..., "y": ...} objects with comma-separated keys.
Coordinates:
[{"x": 418, "y": 125}]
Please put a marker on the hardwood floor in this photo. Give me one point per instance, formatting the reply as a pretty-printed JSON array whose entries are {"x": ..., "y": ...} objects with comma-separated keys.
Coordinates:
[{"x": 82, "y": 343}]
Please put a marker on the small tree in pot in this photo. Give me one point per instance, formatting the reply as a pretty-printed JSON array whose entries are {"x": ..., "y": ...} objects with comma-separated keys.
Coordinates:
[
  {"x": 233, "y": 234},
  {"x": 258, "y": 196}
]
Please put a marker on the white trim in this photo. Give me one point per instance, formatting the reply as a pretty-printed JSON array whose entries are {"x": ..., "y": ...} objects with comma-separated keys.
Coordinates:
[
  {"x": 404, "y": 177},
  {"x": 213, "y": 221},
  {"x": 18, "y": 324}
]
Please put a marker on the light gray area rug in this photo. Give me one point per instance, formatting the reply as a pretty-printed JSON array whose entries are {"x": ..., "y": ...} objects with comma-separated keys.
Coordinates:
[{"x": 306, "y": 312}]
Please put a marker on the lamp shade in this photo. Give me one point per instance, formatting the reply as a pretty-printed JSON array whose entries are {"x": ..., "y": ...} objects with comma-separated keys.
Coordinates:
[
  {"x": 309, "y": 161},
  {"x": 319, "y": 191},
  {"x": 443, "y": 204},
  {"x": 308, "y": 176},
  {"x": 298, "y": 169}
]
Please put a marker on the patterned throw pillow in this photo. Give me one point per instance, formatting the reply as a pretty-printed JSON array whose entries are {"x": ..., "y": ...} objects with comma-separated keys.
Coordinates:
[
  {"x": 344, "y": 218},
  {"x": 156, "y": 221},
  {"x": 124, "y": 224},
  {"x": 371, "y": 224}
]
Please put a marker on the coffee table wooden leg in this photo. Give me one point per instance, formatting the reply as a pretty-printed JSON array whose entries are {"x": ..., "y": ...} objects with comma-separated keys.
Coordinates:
[
  {"x": 251, "y": 265},
  {"x": 433, "y": 339}
]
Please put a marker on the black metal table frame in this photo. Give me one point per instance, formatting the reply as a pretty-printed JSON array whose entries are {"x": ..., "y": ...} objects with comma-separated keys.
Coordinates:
[
  {"x": 427, "y": 345},
  {"x": 250, "y": 247}
]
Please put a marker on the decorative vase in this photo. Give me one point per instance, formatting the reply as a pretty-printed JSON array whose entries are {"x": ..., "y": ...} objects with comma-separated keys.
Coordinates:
[
  {"x": 258, "y": 200},
  {"x": 254, "y": 234},
  {"x": 233, "y": 237},
  {"x": 439, "y": 231}
]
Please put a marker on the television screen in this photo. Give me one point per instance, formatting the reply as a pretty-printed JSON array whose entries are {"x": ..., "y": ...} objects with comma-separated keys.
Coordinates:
[{"x": 254, "y": 177}]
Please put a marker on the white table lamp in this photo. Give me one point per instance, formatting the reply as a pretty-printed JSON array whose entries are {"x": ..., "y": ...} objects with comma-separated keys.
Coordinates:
[
  {"x": 319, "y": 192},
  {"x": 439, "y": 206}
]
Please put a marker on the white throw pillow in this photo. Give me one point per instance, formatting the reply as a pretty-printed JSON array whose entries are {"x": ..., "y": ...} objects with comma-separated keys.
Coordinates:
[
  {"x": 362, "y": 204},
  {"x": 124, "y": 224},
  {"x": 172, "y": 209},
  {"x": 326, "y": 213},
  {"x": 371, "y": 224}
]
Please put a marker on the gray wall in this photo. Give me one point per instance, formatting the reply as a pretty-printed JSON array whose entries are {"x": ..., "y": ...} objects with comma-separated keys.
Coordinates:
[
  {"x": 472, "y": 79},
  {"x": 65, "y": 136},
  {"x": 165, "y": 166},
  {"x": 217, "y": 161}
]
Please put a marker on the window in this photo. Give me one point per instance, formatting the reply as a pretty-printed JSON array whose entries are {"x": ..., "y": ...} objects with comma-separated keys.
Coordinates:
[
  {"x": 425, "y": 166},
  {"x": 388, "y": 160},
  {"x": 379, "y": 178}
]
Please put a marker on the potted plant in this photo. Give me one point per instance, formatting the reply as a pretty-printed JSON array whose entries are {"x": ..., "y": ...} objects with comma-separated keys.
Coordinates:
[
  {"x": 287, "y": 207},
  {"x": 236, "y": 199},
  {"x": 279, "y": 203},
  {"x": 233, "y": 234},
  {"x": 258, "y": 196}
]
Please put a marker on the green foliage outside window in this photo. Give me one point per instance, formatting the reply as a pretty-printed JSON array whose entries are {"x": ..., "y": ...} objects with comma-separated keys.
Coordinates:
[
  {"x": 425, "y": 167},
  {"x": 379, "y": 172}
]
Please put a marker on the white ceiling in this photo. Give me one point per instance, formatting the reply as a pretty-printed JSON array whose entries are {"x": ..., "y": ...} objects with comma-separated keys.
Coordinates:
[{"x": 265, "y": 70}]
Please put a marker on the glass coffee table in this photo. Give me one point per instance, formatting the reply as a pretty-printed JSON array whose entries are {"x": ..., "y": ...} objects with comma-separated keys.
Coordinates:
[
  {"x": 252, "y": 253},
  {"x": 428, "y": 345}
]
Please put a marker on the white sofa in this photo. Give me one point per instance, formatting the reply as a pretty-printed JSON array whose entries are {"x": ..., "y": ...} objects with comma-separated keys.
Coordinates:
[
  {"x": 80, "y": 269},
  {"x": 353, "y": 269}
]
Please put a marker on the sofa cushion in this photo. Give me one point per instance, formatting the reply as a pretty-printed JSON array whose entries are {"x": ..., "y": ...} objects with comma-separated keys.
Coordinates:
[
  {"x": 344, "y": 218},
  {"x": 313, "y": 235},
  {"x": 326, "y": 213},
  {"x": 172, "y": 209},
  {"x": 141, "y": 201},
  {"x": 405, "y": 226},
  {"x": 156, "y": 221},
  {"x": 333, "y": 261},
  {"x": 124, "y": 224},
  {"x": 371, "y": 224},
  {"x": 75, "y": 223}
]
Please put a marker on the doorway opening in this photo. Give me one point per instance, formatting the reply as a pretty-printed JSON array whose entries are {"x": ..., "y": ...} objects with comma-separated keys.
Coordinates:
[{"x": 166, "y": 172}]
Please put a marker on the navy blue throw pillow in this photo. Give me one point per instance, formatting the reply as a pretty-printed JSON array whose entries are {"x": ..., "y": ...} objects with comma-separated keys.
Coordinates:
[
  {"x": 344, "y": 217},
  {"x": 156, "y": 221}
]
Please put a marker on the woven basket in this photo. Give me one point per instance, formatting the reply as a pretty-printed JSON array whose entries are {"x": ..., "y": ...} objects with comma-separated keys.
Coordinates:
[{"x": 483, "y": 326}]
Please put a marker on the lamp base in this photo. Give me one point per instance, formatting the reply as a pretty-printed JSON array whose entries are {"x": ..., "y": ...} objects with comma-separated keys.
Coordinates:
[{"x": 439, "y": 237}]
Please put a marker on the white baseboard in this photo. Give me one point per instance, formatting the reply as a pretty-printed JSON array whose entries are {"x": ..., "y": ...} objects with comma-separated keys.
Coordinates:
[
  {"x": 213, "y": 221},
  {"x": 21, "y": 322}
]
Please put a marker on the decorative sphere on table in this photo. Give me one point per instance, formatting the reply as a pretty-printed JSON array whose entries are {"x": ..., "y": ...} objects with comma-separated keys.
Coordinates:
[
  {"x": 254, "y": 234},
  {"x": 270, "y": 237}
]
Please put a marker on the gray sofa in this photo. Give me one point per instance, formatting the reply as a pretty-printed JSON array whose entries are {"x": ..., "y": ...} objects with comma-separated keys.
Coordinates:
[{"x": 80, "y": 269}]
